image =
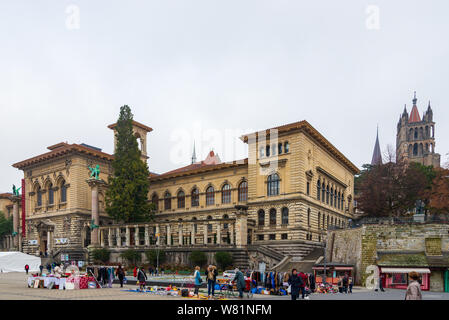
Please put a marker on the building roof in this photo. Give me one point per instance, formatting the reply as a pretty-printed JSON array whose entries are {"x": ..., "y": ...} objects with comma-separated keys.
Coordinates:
[
  {"x": 135, "y": 123},
  {"x": 62, "y": 149},
  {"x": 414, "y": 115},
  {"x": 5, "y": 195},
  {"x": 309, "y": 129},
  {"x": 199, "y": 167}
]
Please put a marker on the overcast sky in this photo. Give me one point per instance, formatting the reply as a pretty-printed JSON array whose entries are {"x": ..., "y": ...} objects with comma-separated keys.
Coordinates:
[{"x": 212, "y": 70}]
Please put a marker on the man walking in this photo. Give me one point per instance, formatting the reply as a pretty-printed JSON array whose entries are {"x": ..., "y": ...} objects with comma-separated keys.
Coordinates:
[
  {"x": 240, "y": 281},
  {"x": 303, "y": 285}
]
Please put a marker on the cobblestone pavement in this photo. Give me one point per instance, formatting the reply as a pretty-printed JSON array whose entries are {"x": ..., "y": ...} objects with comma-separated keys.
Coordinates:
[{"x": 13, "y": 286}]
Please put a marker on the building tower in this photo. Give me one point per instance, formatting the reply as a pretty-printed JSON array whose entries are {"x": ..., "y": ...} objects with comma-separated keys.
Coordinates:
[
  {"x": 415, "y": 139},
  {"x": 377, "y": 156}
]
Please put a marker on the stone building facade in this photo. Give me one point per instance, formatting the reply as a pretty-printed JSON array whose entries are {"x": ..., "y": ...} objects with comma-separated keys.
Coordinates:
[
  {"x": 411, "y": 245},
  {"x": 293, "y": 185}
]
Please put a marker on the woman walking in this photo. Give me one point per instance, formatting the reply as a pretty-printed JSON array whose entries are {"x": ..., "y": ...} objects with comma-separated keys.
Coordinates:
[
  {"x": 414, "y": 287},
  {"x": 141, "y": 277},
  {"x": 295, "y": 282},
  {"x": 198, "y": 281}
]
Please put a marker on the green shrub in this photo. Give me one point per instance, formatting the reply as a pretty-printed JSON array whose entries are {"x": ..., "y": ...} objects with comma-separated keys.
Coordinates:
[
  {"x": 133, "y": 257},
  {"x": 198, "y": 258},
  {"x": 223, "y": 259},
  {"x": 101, "y": 255}
]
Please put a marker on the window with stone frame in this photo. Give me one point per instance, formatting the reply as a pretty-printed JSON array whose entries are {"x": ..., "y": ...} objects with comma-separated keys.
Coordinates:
[
  {"x": 39, "y": 196},
  {"x": 261, "y": 217},
  {"x": 272, "y": 236},
  {"x": 318, "y": 190},
  {"x": 308, "y": 188},
  {"x": 286, "y": 147},
  {"x": 63, "y": 192},
  {"x": 243, "y": 191},
  {"x": 272, "y": 217},
  {"x": 155, "y": 201},
  {"x": 284, "y": 215},
  {"x": 51, "y": 194},
  {"x": 167, "y": 201},
  {"x": 308, "y": 217},
  {"x": 273, "y": 185},
  {"x": 210, "y": 196},
  {"x": 280, "y": 148},
  {"x": 284, "y": 236},
  {"x": 195, "y": 198},
  {"x": 181, "y": 199},
  {"x": 226, "y": 194},
  {"x": 260, "y": 237}
]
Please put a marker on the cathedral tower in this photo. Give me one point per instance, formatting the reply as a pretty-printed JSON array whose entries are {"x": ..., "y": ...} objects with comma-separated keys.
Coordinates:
[{"x": 415, "y": 139}]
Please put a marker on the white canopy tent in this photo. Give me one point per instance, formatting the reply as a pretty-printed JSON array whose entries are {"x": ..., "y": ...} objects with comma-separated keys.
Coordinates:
[{"x": 15, "y": 261}]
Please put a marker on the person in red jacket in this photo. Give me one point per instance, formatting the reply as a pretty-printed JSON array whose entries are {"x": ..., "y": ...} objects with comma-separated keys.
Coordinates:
[
  {"x": 135, "y": 272},
  {"x": 304, "y": 283},
  {"x": 27, "y": 267}
]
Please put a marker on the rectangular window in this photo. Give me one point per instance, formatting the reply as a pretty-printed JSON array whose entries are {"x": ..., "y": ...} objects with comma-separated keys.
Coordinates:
[
  {"x": 273, "y": 236},
  {"x": 260, "y": 237},
  {"x": 308, "y": 188},
  {"x": 284, "y": 236}
]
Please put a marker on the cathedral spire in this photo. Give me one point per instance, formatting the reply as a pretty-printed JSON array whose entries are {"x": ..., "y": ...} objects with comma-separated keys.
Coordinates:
[
  {"x": 193, "y": 154},
  {"x": 414, "y": 114},
  {"x": 377, "y": 157},
  {"x": 414, "y": 99}
]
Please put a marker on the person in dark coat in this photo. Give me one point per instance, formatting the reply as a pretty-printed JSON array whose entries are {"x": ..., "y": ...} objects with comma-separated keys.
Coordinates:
[
  {"x": 240, "y": 282},
  {"x": 41, "y": 267},
  {"x": 295, "y": 282},
  {"x": 141, "y": 277},
  {"x": 312, "y": 283},
  {"x": 49, "y": 268},
  {"x": 120, "y": 274}
]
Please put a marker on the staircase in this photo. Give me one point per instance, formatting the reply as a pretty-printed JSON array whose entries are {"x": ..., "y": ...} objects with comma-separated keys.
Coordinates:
[
  {"x": 304, "y": 265},
  {"x": 240, "y": 259},
  {"x": 296, "y": 249}
]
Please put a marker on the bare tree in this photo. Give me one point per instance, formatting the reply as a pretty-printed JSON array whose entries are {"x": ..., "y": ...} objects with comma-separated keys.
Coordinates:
[{"x": 389, "y": 154}]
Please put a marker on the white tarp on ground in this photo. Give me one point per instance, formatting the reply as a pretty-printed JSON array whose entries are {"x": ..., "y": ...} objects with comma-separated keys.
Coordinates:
[{"x": 15, "y": 261}]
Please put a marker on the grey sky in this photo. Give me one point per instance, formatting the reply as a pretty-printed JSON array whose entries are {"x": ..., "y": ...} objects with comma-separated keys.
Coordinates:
[{"x": 236, "y": 65}]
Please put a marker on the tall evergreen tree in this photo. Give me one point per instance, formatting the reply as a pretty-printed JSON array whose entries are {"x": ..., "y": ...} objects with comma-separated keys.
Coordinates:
[{"x": 127, "y": 195}]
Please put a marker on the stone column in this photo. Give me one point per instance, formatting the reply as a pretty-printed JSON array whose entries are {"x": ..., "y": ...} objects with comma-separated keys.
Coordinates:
[
  {"x": 109, "y": 237},
  {"x": 49, "y": 244},
  {"x": 231, "y": 233},
  {"x": 118, "y": 238},
  {"x": 128, "y": 237},
  {"x": 16, "y": 221},
  {"x": 136, "y": 235},
  {"x": 218, "y": 232},
  {"x": 158, "y": 235},
  {"x": 95, "y": 185},
  {"x": 192, "y": 236},
  {"x": 168, "y": 235},
  {"x": 147, "y": 236},
  {"x": 180, "y": 234},
  {"x": 241, "y": 228},
  {"x": 102, "y": 238},
  {"x": 205, "y": 234}
]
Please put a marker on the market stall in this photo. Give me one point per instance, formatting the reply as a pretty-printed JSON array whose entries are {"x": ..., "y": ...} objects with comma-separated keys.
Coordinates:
[
  {"x": 398, "y": 278},
  {"x": 333, "y": 272},
  {"x": 69, "y": 279}
]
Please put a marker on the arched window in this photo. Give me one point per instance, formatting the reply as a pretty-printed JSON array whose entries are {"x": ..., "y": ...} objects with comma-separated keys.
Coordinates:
[
  {"x": 323, "y": 192},
  {"x": 318, "y": 189},
  {"x": 210, "y": 196},
  {"x": 324, "y": 220},
  {"x": 279, "y": 148},
  {"x": 226, "y": 194},
  {"x": 332, "y": 197},
  {"x": 261, "y": 217},
  {"x": 209, "y": 217},
  {"x": 332, "y": 221},
  {"x": 416, "y": 133},
  {"x": 225, "y": 216},
  {"x": 415, "y": 149},
  {"x": 286, "y": 147},
  {"x": 308, "y": 217},
  {"x": 63, "y": 192},
  {"x": 284, "y": 216},
  {"x": 342, "y": 201},
  {"x": 273, "y": 185},
  {"x": 272, "y": 217},
  {"x": 167, "y": 201},
  {"x": 327, "y": 221},
  {"x": 39, "y": 196},
  {"x": 339, "y": 200},
  {"x": 195, "y": 198},
  {"x": 51, "y": 194},
  {"x": 181, "y": 199},
  {"x": 155, "y": 201},
  {"x": 267, "y": 152},
  {"x": 327, "y": 194},
  {"x": 335, "y": 198},
  {"x": 243, "y": 191}
]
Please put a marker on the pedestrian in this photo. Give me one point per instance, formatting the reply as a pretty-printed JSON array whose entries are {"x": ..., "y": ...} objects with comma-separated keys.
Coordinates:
[
  {"x": 211, "y": 276},
  {"x": 345, "y": 283},
  {"x": 380, "y": 281},
  {"x": 340, "y": 284},
  {"x": 27, "y": 267},
  {"x": 162, "y": 271},
  {"x": 157, "y": 272},
  {"x": 135, "y": 272},
  {"x": 295, "y": 282},
  {"x": 141, "y": 277},
  {"x": 198, "y": 281},
  {"x": 49, "y": 268},
  {"x": 312, "y": 283},
  {"x": 414, "y": 287},
  {"x": 304, "y": 283},
  {"x": 150, "y": 271},
  {"x": 350, "y": 284},
  {"x": 240, "y": 282},
  {"x": 120, "y": 274},
  {"x": 41, "y": 268}
]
